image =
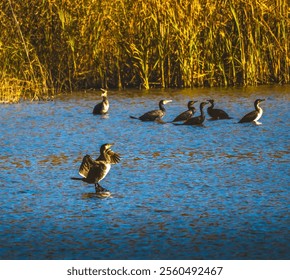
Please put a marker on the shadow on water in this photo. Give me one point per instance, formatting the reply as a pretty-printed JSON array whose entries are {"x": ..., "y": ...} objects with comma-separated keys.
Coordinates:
[{"x": 220, "y": 191}]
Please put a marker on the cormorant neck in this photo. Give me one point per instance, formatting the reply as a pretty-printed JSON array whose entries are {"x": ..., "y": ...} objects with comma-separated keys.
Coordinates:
[
  {"x": 161, "y": 106},
  {"x": 211, "y": 106},
  {"x": 104, "y": 154},
  {"x": 102, "y": 150},
  {"x": 201, "y": 111},
  {"x": 257, "y": 107}
]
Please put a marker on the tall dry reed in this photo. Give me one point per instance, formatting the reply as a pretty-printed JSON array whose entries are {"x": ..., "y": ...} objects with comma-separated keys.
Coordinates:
[{"x": 57, "y": 45}]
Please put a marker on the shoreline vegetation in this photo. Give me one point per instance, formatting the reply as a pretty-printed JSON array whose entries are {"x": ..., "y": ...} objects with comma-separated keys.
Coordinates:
[{"x": 53, "y": 46}]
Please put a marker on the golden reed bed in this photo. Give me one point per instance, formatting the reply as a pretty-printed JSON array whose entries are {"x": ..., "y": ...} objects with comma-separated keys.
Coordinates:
[{"x": 59, "y": 45}]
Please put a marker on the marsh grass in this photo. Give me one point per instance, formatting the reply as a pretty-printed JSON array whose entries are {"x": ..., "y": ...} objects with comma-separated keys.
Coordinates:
[{"x": 57, "y": 45}]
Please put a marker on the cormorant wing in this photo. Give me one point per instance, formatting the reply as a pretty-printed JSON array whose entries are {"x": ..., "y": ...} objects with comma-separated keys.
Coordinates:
[
  {"x": 194, "y": 121},
  {"x": 86, "y": 165},
  {"x": 217, "y": 113},
  {"x": 96, "y": 172},
  {"x": 151, "y": 115},
  {"x": 249, "y": 117},
  {"x": 98, "y": 108},
  {"x": 112, "y": 157},
  {"x": 183, "y": 116}
]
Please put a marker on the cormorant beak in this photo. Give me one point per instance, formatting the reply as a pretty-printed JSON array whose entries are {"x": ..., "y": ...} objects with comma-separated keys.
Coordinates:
[
  {"x": 167, "y": 101},
  {"x": 262, "y": 100},
  {"x": 104, "y": 92}
]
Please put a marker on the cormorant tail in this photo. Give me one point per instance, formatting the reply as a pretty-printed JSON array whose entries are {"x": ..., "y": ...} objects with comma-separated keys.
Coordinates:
[
  {"x": 75, "y": 178},
  {"x": 134, "y": 118}
]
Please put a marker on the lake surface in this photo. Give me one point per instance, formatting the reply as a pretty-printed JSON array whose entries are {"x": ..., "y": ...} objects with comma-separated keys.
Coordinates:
[{"x": 220, "y": 191}]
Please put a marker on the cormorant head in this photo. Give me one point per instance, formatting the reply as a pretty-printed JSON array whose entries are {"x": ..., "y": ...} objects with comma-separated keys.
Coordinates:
[
  {"x": 202, "y": 104},
  {"x": 190, "y": 104},
  {"x": 211, "y": 101},
  {"x": 259, "y": 100},
  {"x": 163, "y": 102},
  {"x": 104, "y": 92},
  {"x": 106, "y": 147}
]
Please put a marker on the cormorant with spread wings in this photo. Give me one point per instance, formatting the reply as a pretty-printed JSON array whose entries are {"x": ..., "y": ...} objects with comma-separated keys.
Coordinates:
[{"x": 93, "y": 171}]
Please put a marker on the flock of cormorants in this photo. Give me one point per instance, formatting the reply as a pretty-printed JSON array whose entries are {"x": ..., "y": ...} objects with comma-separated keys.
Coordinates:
[{"x": 93, "y": 171}]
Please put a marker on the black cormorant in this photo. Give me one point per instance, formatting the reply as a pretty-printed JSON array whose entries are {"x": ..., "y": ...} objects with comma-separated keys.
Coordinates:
[
  {"x": 103, "y": 107},
  {"x": 254, "y": 116},
  {"x": 155, "y": 115},
  {"x": 196, "y": 120},
  {"x": 93, "y": 171},
  {"x": 187, "y": 114},
  {"x": 216, "y": 114}
]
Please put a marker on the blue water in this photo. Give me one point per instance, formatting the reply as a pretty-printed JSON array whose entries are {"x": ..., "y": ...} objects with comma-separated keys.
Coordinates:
[{"x": 215, "y": 192}]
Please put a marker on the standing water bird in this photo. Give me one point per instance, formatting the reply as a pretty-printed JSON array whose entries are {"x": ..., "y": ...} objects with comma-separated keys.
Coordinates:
[
  {"x": 103, "y": 107},
  {"x": 196, "y": 120},
  {"x": 187, "y": 114},
  {"x": 216, "y": 114},
  {"x": 254, "y": 116},
  {"x": 155, "y": 115},
  {"x": 93, "y": 171}
]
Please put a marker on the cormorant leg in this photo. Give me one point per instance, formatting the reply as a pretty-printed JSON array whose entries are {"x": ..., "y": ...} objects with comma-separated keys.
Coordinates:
[{"x": 99, "y": 188}]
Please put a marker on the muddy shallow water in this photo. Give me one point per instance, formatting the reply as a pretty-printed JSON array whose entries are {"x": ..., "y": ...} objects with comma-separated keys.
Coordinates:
[{"x": 220, "y": 191}]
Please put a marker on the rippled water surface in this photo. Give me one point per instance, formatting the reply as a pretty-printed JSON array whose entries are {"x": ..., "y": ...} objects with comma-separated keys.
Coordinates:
[{"x": 215, "y": 192}]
